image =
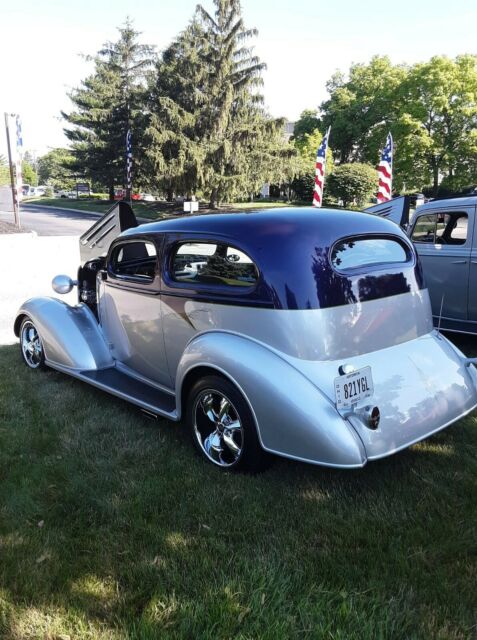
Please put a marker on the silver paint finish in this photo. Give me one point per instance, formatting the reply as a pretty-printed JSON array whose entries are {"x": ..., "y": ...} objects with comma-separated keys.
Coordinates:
[
  {"x": 70, "y": 335},
  {"x": 132, "y": 325},
  {"x": 293, "y": 417},
  {"x": 312, "y": 334},
  {"x": 63, "y": 284},
  {"x": 420, "y": 387}
]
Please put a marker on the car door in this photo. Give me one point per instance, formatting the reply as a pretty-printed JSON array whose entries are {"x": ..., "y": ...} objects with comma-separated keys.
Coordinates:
[
  {"x": 130, "y": 309},
  {"x": 443, "y": 239},
  {"x": 472, "y": 306}
]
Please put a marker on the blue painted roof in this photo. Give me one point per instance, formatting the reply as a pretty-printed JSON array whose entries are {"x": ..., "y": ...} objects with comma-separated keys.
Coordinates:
[
  {"x": 291, "y": 248},
  {"x": 326, "y": 225}
]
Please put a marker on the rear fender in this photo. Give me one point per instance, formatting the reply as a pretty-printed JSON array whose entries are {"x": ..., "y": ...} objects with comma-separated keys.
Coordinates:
[
  {"x": 292, "y": 416},
  {"x": 71, "y": 336}
]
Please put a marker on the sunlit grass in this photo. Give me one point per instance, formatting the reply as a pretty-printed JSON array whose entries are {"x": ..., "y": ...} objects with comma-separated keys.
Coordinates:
[{"x": 111, "y": 527}]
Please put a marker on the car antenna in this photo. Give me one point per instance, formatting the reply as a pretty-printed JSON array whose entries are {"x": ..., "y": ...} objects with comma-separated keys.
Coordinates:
[{"x": 440, "y": 316}]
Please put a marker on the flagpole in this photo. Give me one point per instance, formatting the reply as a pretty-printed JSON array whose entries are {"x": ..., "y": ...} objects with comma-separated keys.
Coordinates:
[{"x": 16, "y": 211}]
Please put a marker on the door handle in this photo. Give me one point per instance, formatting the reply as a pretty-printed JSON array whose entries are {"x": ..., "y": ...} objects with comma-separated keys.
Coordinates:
[
  {"x": 461, "y": 262},
  {"x": 474, "y": 261}
]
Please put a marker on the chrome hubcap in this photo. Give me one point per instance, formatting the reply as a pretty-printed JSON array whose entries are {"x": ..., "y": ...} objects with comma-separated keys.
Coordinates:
[
  {"x": 31, "y": 345},
  {"x": 218, "y": 428}
]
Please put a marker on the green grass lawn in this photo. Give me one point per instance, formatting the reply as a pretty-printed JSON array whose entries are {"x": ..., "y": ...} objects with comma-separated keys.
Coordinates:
[{"x": 111, "y": 527}]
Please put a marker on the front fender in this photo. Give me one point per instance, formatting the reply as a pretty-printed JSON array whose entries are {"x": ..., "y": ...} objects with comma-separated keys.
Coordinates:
[
  {"x": 71, "y": 336},
  {"x": 293, "y": 417}
]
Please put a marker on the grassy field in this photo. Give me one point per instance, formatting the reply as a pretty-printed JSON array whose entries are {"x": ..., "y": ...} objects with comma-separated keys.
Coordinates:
[
  {"x": 112, "y": 528},
  {"x": 151, "y": 210}
]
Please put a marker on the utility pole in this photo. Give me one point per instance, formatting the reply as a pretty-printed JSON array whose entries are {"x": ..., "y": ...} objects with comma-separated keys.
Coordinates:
[{"x": 16, "y": 211}]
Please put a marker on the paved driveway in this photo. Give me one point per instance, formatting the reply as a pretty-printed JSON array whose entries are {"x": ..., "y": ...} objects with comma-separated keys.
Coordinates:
[
  {"x": 27, "y": 265},
  {"x": 53, "y": 222}
]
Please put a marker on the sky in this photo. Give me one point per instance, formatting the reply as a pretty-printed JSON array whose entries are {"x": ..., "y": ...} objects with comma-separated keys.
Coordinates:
[{"x": 303, "y": 42}]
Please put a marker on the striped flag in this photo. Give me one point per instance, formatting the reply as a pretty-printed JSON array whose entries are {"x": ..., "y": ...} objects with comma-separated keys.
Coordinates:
[
  {"x": 320, "y": 167},
  {"x": 129, "y": 161},
  {"x": 19, "y": 158},
  {"x": 385, "y": 171}
]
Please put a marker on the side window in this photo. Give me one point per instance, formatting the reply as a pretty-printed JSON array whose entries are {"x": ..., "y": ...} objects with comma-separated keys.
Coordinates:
[
  {"x": 441, "y": 228},
  {"x": 451, "y": 228},
  {"x": 425, "y": 229},
  {"x": 135, "y": 260},
  {"x": 210, "y": 263}
]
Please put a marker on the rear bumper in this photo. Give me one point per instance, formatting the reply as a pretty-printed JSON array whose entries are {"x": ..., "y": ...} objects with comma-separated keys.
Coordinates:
[
  {"x": 420, "y": 387},
  {"x": 389, "y": 452}
]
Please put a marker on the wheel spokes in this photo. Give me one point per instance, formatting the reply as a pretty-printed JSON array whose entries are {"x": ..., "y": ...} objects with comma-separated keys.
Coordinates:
[
  {"x": 231, "y": 445},
  {"x": 218, "y": 428},
  {"x": 207, "y": 405}
]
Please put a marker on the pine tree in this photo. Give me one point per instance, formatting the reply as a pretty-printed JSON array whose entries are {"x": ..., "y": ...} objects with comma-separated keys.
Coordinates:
[
  {"x": 208, "y": 129},
  {"x": 108, "y": 103}
]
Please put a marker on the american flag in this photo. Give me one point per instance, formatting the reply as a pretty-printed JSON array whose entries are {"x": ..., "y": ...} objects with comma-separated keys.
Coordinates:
[
  {"x": 19, "y": 158},
  {"x": 385, "y": 171},
  {"x": 129, "y": 160},
  {"x": 320, "y": 167}
]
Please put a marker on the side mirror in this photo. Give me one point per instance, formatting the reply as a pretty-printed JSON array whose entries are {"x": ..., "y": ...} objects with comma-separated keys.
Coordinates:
[{"x": 63, "y": 284}]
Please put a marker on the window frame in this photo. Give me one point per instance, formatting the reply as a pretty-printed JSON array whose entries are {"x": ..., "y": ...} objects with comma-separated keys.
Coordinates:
[
  {"x": 206, "y": 288},
  {"x": 134, "y": 282},
  {"x": 374, "y": 266}
]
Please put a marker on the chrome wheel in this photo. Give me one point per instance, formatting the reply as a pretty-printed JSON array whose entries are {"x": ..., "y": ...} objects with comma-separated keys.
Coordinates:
[
  {"x": 32, "y": 348},
  {"x": 218, "y": 428}
]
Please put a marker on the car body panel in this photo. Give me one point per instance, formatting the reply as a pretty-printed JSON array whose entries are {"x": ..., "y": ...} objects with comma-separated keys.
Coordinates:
[
  {"x": 70, "y": 335},
  {"x": 293, "y": 417}
]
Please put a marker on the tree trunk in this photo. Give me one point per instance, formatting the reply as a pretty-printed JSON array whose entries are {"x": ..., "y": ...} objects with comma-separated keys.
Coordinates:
[
  {"x": 169, "y": 195},
  {"x": 111, "y": 192},
  {"x": 213, "y": 199},
  {"x": 435, "y": 173}
]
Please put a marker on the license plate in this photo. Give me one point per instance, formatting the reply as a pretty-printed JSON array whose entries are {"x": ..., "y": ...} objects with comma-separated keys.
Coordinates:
[{"x": 353, "y": 387}]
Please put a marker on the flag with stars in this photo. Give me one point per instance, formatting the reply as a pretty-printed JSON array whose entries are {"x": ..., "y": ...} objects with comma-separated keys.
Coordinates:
[
  {"x": 385, "y": 171},
  {"x": 19, "y": 158},
  {"x": 129, "y": 160},
  {"x": 320, "y": 166}
]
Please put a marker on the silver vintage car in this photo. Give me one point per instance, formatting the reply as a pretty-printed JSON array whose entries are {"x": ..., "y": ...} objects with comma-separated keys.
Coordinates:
[{"x": 294, "y": 332}]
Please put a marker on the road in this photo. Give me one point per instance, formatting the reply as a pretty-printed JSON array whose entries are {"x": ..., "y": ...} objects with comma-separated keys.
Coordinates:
[{"x": 53, "y": 222}]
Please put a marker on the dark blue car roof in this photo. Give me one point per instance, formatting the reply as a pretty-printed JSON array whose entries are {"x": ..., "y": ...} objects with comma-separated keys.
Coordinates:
[
  {"x": 325, "y": 224},
  {"x": 291, "y": 248}
]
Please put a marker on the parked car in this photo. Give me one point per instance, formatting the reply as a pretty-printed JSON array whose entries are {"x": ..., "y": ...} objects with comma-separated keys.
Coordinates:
[
  {"x": 65, "y": 193},
  {"x": 148, "y": 197},
  {"x": 303, "y": 334},
  {"x": 445, "y": 237}
]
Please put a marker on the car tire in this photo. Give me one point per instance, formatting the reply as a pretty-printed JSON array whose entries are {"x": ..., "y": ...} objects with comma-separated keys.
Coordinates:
[
  {"x": 31, "y": 346},
  {"x": 222, "y": 426}
]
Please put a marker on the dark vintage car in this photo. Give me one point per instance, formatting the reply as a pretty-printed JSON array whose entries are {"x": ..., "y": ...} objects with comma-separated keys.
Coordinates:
[{"x": 295, "y": 332}]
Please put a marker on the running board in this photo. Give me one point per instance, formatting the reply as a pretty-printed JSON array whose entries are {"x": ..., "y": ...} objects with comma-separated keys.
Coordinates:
[{"x": 119, "y": 384}]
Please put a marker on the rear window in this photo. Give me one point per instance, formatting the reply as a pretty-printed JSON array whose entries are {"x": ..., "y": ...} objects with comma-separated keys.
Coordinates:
[{"x": 365, "y": 252}]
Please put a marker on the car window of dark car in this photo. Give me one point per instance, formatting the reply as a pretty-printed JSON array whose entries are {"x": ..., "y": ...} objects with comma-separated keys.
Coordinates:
[
  {"x": 210, "y": 263},
  {"x": 353, "y": 253},
  {"x": 134, "y": 260}
]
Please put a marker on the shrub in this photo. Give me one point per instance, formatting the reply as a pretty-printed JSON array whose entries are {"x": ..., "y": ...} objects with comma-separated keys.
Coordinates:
[{"x": 352, "y": 183}]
